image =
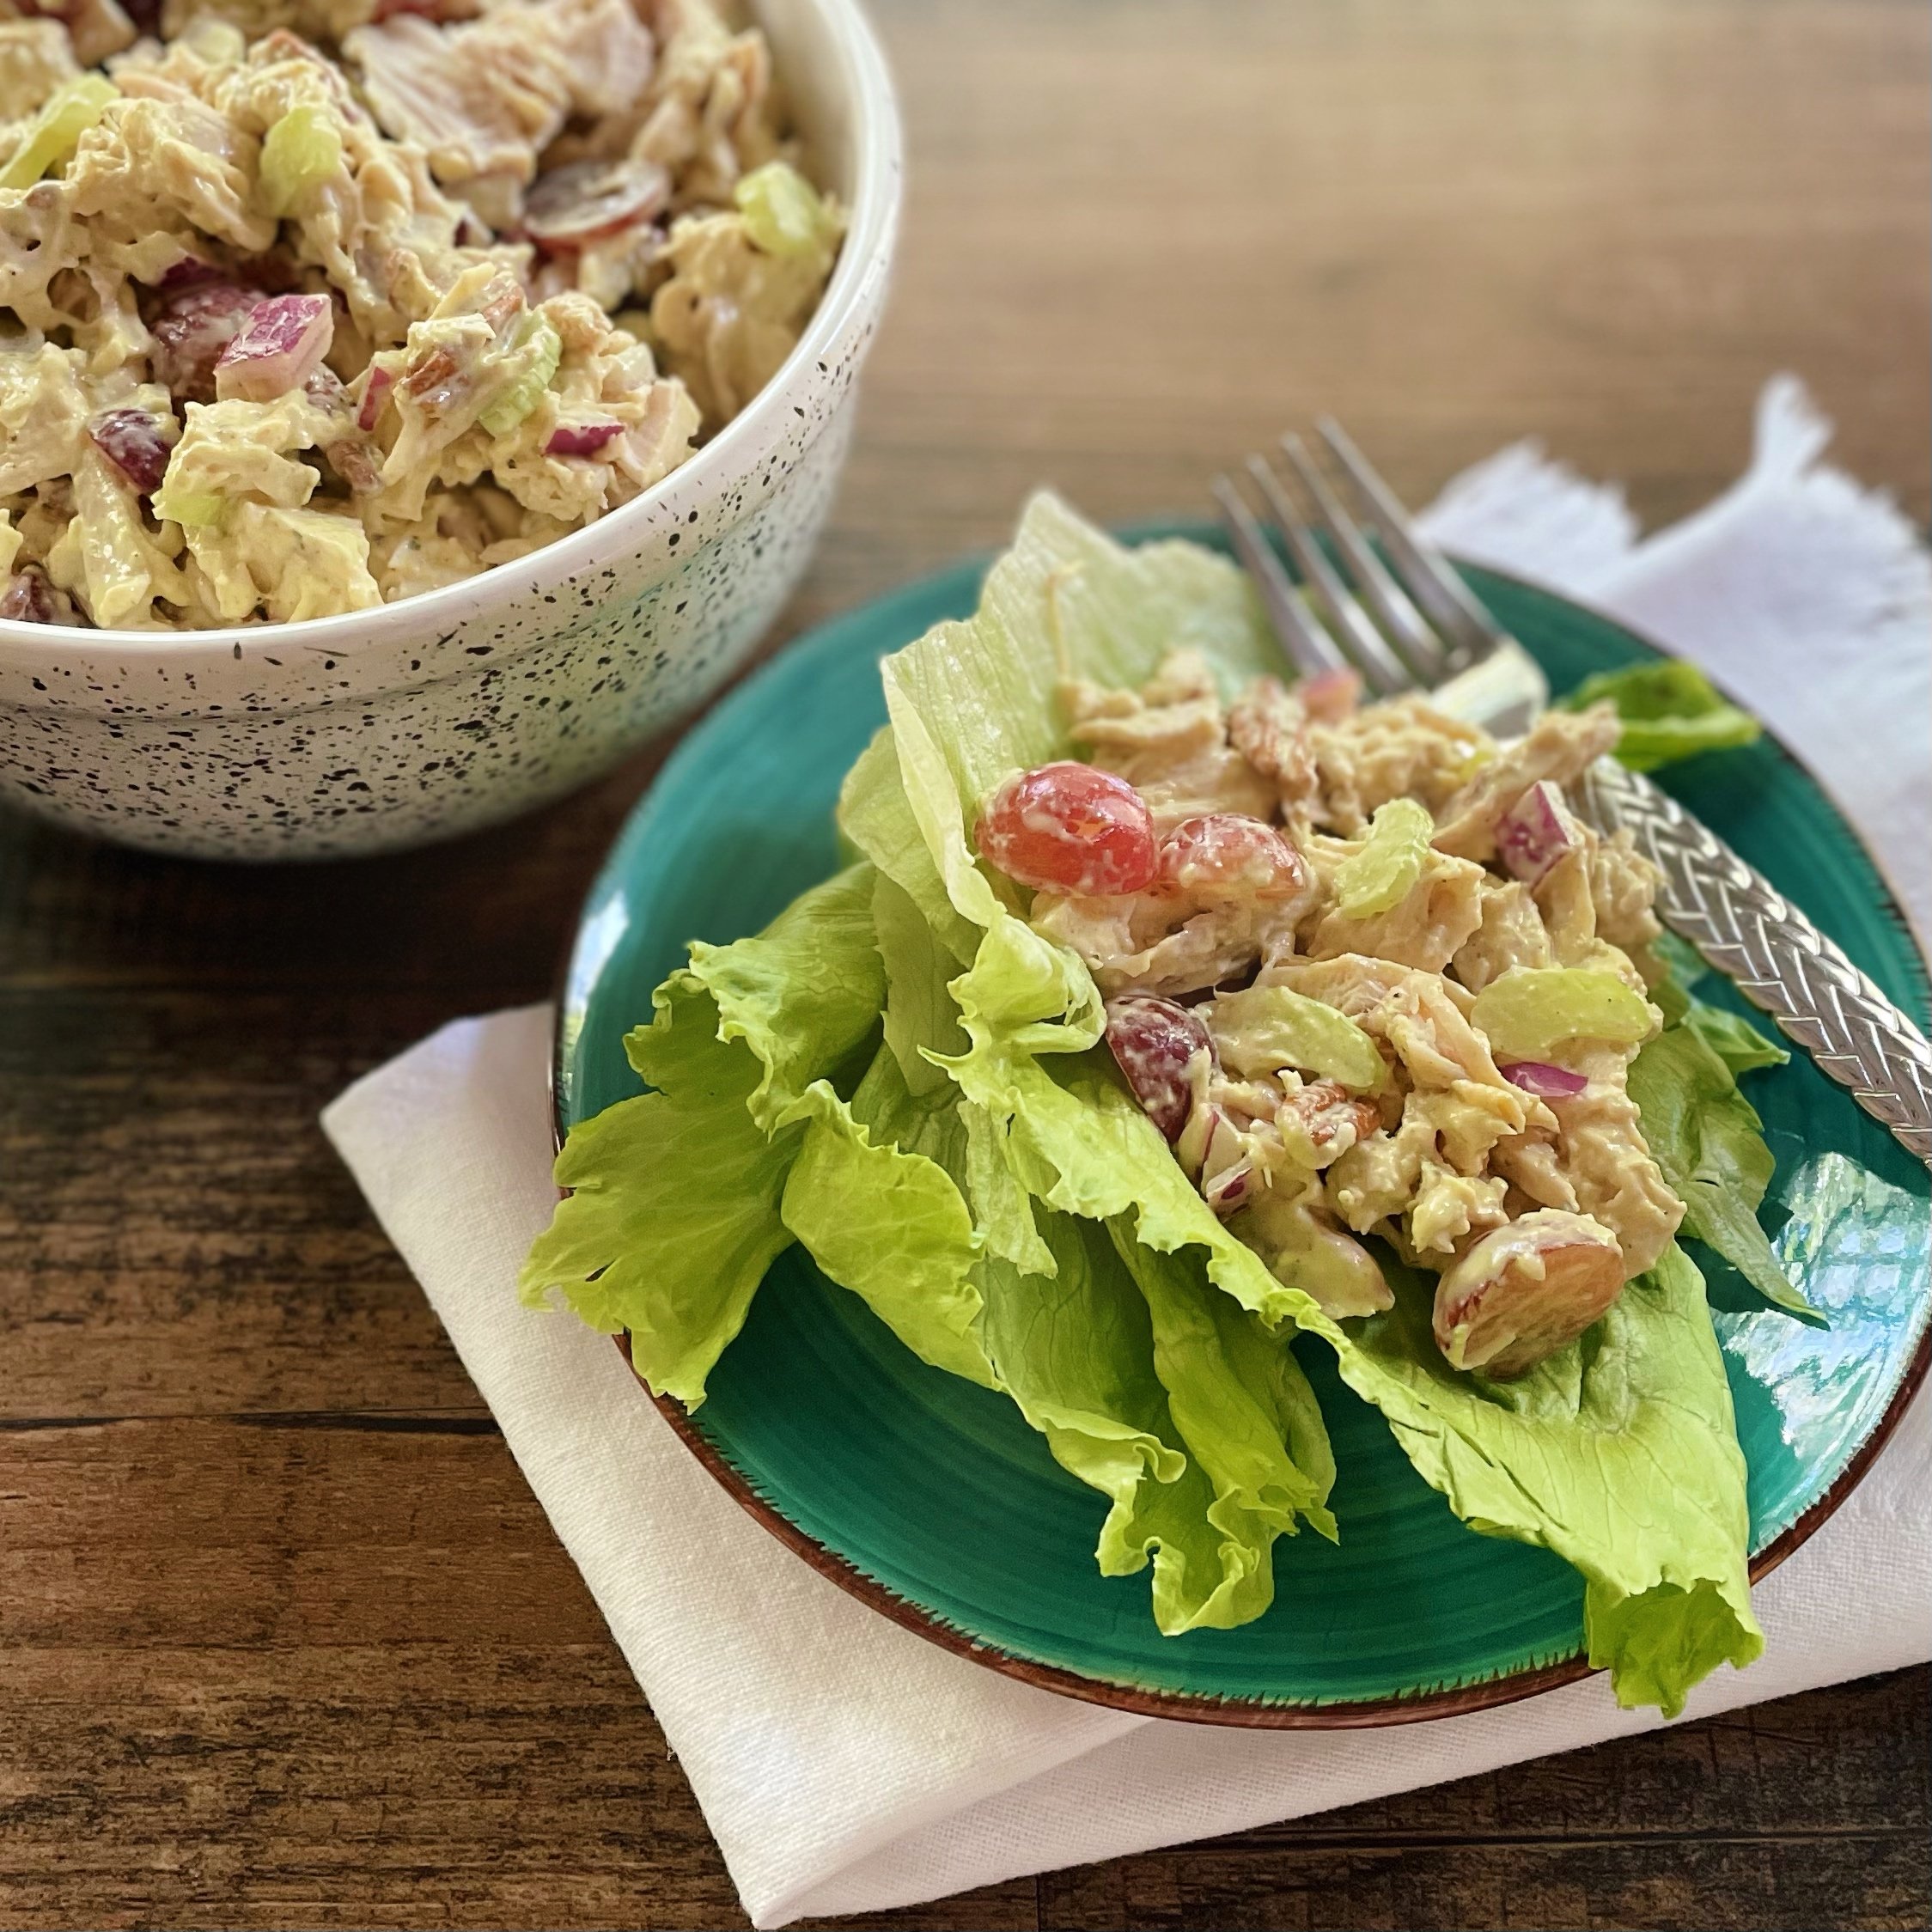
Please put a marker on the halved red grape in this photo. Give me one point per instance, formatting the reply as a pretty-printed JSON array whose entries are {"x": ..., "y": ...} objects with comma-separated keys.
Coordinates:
[
  {"x": 31, "y": 598},
  {"x": 1225, "y": 856},
  {"x": 1524, "y": 1290},
  {"x": 1156, "y": 1045},
  {"x": 188, "y": 270},
  {"x": 192, "y": 330},
  {"x": 1070, "y": 828},
  {"x": 132, "y": 441},
  {"x": 587, "y": 201}
]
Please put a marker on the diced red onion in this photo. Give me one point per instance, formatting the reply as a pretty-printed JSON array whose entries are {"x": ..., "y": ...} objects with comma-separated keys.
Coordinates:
[
  {"x": 192, "y": 328},
  {"x": 1535, "y": 832},
  {"x": 276, "y": 349},
  {"x": 132, "y": 440},
  {"x": 581, "y": 439},
  {"x": 1229, "y": 1188},
  {"x": 376, "y": 394},
  {"x": 1546, "y": 1082}
]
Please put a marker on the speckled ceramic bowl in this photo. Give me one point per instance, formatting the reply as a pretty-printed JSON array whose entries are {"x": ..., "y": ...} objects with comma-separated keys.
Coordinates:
[{"x": 447, "y": 711}]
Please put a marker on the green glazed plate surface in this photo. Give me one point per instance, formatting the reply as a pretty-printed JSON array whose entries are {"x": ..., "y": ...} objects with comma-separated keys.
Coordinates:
[{"x": 854, "y": 1452}]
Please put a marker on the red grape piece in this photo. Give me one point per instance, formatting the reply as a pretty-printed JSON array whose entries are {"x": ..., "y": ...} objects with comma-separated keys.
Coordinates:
[
  {"x": 192, "y": 330},
  {"x": 1225, "y": 856},
  {"x": 1524, "y": 1290},
  {"x": 31, "y": 598},
  {"x": 589, "y": 201},
  {"x": 1070, "y": 828},
  {"x": 132, "y": 440},
  {"x": 1156, "y": 1045}
]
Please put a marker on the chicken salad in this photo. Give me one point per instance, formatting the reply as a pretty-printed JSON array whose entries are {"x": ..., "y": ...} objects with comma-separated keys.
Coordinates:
[
  {"x": 1168, "y": 1022},
  {"x": 311, "y": 304}
]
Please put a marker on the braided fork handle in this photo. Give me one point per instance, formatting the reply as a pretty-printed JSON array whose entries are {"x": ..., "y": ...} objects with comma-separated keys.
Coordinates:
[{"x": 1780, "y": 961}]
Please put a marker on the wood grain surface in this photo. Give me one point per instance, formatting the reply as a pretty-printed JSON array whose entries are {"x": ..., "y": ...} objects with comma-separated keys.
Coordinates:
[{"x": 284, "y": 1640}]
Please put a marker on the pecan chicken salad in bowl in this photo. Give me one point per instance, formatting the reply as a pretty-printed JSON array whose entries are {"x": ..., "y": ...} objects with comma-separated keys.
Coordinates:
[
  {"x": 317, "y": 305},
  {"x": 406, "y": 409}
]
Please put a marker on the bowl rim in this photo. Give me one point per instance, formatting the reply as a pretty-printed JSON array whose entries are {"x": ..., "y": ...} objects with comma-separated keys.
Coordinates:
[
  {"x": 877, "y": 191},
  {"x": 1249, "y": 1713}
]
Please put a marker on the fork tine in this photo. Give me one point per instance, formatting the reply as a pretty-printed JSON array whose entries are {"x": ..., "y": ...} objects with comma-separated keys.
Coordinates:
[
  {"x": 1404, "y": 623},
  {"x": 1425, "y": 574},
  {"x": 1361, "y": 642},
  {"x": 1310, "y": 646}
]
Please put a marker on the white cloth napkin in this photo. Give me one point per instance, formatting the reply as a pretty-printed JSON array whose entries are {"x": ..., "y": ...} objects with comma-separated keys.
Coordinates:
[{"x": 846, "y": 1765}]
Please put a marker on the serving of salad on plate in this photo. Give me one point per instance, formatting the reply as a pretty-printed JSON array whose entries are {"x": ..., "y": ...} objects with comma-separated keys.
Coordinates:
[
  {"x": 1169, "y": 1023},
  {"x": 311, "y": 304}
]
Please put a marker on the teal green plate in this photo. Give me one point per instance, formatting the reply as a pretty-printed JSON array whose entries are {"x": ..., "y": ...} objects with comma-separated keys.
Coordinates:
[{"x": 932, "y": 1499}]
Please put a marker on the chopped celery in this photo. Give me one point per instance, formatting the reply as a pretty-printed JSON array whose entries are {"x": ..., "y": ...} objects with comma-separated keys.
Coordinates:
[
  {"x": 1384, "y": 872},
  {"x": 191, "y": 509},
  {"x": 69, "y": 112},
  {"x": 1528, "y": 1010},
  {"x": 301, "y": 151},
  {"x": 785, "y": 214},
  {"x": 538, "y": 350},
  {"x": 1265, "y": 1028}
]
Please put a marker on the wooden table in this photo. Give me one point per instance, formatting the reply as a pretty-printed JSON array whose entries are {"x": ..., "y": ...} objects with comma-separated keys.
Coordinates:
[{"x": 286, "y": 1640}]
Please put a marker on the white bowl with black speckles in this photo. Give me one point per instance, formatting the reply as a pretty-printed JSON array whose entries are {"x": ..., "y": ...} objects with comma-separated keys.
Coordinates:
[{"x": 427, "y": 718}]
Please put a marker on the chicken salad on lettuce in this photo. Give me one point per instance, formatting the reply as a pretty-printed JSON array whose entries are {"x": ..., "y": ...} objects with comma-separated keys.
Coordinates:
[{"x": 1167, "y": 1014}]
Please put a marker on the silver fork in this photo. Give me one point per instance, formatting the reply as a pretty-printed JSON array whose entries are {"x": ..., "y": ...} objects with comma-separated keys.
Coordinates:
[{"x": 1396, "y": 613}]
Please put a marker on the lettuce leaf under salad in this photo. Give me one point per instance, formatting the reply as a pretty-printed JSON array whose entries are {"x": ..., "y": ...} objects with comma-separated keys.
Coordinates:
[
  {"x": 673, "y": 1216},
  {"x": 1702, "y": 1131},
  {"x": 940, "y": 1126},
  {"x": 1670, "y": 710}
]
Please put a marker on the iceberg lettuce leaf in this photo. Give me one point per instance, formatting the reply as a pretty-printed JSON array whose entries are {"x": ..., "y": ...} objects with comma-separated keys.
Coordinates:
[{"x": 1193, "y": 1420}]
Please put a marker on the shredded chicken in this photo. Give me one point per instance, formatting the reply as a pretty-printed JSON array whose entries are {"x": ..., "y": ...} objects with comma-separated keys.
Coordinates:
[
  {"x": 1431, "y": 1144},
  {"x": 35, "y": 56},
  {"x": 483, "y": 98},
  {"x": 1560, "y": 746}
]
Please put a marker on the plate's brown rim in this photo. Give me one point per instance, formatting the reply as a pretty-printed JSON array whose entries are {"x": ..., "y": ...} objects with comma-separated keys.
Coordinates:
[{"x": 1452, "y": 1701}]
